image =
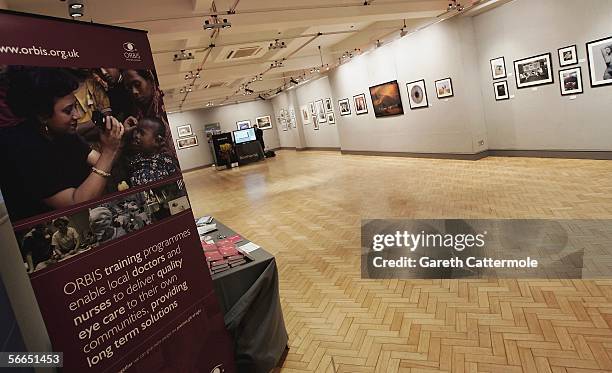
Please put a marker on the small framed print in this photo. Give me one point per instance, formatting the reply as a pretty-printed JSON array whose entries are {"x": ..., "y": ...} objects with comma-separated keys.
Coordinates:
[
  {"x": 184, "y": 131},
  {"x": 243, "y": 124},
  {"x": 187, "y": 142},
  {"x": 417, "y": 94},
  {"x": 264, "y": 122},
  {"x": 313, "y": 110},
  {"x": 315, "y": 123},
  {"x": 345, "y": 106},
  {"x": 330, "y": 118},
  {"x": 328, "y": 105},
  {"x": 599, "y": 54},
  {"x": 568, "y": 55},
  {"x": 305, "y": 114},
  {"x": 570, "y": 81},
  {"x": 498, "y": 68},
  {"x": 320, "y": 109},
  {"x": 361, "y": 106},
  {"x": 444, "y": 88},
  {"x": 534, "y": 71},
  {"x": 501, "y": 90}
]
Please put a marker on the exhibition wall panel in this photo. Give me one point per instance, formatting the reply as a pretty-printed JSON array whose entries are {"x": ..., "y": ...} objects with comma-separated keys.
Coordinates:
[
  {"x": 450, "y": 125},
  {"x": 540, "y": 118},
  {"x": 289, "y": 136},
  {"x": 226, "y": 116},
  {"x": 327, "y": 134}
]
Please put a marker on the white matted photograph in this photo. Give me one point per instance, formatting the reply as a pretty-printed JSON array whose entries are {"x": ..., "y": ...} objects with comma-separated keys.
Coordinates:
[
  {"x": 183, "y": 131},
  {"x": 328, "y": 105},
  {"x": 330, "y": 118},
  {"x": 345, "y": 106},
  {"x": 305, "y": 114},
  {"x": 534, "y": 71},
  {"x": 417, "y": 94},
  {"x": 570, "y": 81},
  {"x": 264, "y": 123},
  {"x": 361, "y": 106},
  {"x": 187, "y": 142},
  {"x": 320, "y": 109},
  {"x": 501, "y": 90},
  {"x": 568, "y": 55},
  {"x": 498, "y": 68},
  {"x": 243, "y": 124},
  {"x": 444, "y": 88},
  {"x": 599, "y": 53}
]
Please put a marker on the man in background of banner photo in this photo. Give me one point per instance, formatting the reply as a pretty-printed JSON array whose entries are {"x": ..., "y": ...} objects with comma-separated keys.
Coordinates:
[{"x": 99, "y": 210}]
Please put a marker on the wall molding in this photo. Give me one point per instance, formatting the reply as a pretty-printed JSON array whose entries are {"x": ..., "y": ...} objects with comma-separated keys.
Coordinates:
[
  {"x": 457, "y": 156},
  {"x": 319, "y": 148},
  {"x": 564, "y": 154},
  {"x": 198, "y": 168}
]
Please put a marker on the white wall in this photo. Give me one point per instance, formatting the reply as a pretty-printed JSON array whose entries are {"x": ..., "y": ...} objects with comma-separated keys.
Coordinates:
[
  {"x": 454, "y": 125},
  {"x": 227, "y": 116},
  {"x": 290, "y": 138},
  {"x": 327, "y": 134},
  {"x": 543, "y": 119}
]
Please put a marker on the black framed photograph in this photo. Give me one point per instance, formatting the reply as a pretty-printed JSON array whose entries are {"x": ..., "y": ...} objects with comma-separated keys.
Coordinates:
[
  {"x": 320, "y": 109},
  {"x": 243, "y": 124},
  {"x": 184, "y": 131},
  {"x": 187, "y": 142},
  {"x": 599, "y": 54},
  {"x": 498, "y": 68},
  {"x": 501, "y": 90},
  {"x": 570, "y": 81},
  {"x": 264, "y": 123},
  {"x": 305, "y": 114},
  {"x": 417, "y": 94},
  {"x": 361, "y": 106},
  {"x": 345, "y": 106},
  {"x": 568, "y": 55},
  {"x": 444, "y": 88},
  {"x": 313, "y": 110},
  {"x": 386, "y": 99},
  {"x": 315, "y": 122},
  {"x": 330, "y": 118},
  {"x": 534, "y": 71},
  {"x": 328, "y": 105}
]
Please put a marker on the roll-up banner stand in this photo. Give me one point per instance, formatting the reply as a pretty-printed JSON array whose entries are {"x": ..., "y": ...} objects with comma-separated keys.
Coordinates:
[{"x": 103, "y": 254}]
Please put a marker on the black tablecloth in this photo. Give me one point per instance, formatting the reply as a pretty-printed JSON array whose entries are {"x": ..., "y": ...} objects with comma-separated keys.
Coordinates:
[{"x": 249, "y": 297}]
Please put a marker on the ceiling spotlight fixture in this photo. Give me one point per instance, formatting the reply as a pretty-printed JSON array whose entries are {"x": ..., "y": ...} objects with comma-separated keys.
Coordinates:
[
  {"x": 209, "y": 104},
  {"x": 214, "y": 23},
  {"x": 183, "y": 56},
  {"x": 403, "y": 31},
  {"x": 293, "y": 81},
  {"x": 277, "y": 44},
  {"x": 378, "y": 44},
  {"x": 454, "y": 5},
  {"x": 76, "y": 8},
  {"x": 277, "y": 63}
]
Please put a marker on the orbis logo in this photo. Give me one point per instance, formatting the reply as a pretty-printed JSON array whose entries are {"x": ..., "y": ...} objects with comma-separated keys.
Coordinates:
[{"x": 131, "y": 53}]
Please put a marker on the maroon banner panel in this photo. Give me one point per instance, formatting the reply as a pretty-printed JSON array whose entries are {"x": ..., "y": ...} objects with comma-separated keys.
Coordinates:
[{"x": 97, "y": 201}]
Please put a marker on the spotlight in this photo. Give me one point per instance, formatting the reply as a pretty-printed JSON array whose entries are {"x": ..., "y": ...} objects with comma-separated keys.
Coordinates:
[
  {"x": 378, "y": 44},
  {"x": 183, "y": 55},
  {"x": 215, "y": 24},
  {"x": 293, "y": 81},
  {"x": 277, "y": 44}
]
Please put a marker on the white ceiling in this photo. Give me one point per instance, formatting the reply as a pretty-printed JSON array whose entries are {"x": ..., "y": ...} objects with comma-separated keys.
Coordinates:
[{"x": 173, "y": 25}]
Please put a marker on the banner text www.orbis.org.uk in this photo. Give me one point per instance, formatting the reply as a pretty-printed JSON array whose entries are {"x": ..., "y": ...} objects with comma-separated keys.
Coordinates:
[{"x": 39, "y": 51}]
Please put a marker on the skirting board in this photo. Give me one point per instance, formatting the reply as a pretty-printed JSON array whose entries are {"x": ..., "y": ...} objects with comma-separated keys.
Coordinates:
[
  {"x": 567, "y": 154},
  {"x": 319, "y": 148},
  {"x": 465, "y": 157}
]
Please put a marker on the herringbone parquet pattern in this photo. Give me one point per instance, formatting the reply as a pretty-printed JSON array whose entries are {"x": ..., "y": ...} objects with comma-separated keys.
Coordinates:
[{"x": 306, "y": 209}]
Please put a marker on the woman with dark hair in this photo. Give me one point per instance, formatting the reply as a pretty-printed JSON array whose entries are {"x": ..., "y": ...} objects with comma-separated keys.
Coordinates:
[
  {"x": 145, "y": 92},
  {"x": 44, "y": 164}
]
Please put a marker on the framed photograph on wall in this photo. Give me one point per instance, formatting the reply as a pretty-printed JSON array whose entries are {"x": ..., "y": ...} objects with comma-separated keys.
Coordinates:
[
  {"x": 313, "y": 110},
  {"x": 183, "y": 131},
  {"x": 187, "y": 142},
  {"x": 501, "y": 90},
  {"x": 361, "y": 106},
  {"x": 345, "y": 106},
  {"x": 568, "y": 55},
  {"x": 599, "y": 54},
  {"x": 305, "y": 111},
  {"x": 264, "y": 123},
  {"x": 328, "y": 105},
  {"x": 243, "y": 124},
  {"x": 330, "y": 118},
  {"x": 315, "y": 122},
  {"x": 417, "y": 94},
  {"x": 444, "y": 88},
  {"x": 498, "y": 68},
  {"x": 386, "y": 99},
  {"x": 534, "y": 71},
  {"x": 570, "y": 81},
  {"x": 320, "y": 109}
]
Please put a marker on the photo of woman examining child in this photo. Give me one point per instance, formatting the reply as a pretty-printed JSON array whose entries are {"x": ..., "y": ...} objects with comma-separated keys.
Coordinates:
[{"x": 47, "y": 163}]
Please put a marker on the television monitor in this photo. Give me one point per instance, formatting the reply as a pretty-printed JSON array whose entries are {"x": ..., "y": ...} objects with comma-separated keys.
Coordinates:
[{"x": 246, "y": 135}]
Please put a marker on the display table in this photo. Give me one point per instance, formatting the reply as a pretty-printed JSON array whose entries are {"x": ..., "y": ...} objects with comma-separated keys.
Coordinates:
[
  {"x": 249, "y": 152},
  {"x": 249, "y": 297}
]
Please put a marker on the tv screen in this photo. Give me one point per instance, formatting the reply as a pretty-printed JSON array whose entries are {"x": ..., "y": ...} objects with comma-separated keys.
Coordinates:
[{"x": 244, "y": 136}]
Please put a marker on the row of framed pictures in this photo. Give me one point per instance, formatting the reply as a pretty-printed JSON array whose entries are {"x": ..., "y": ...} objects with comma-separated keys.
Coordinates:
[
  {"x": 570, "y": 83},
  {"x": 387, "y": 101},
  {"x": 264, "y": 123},
  {"x": 186, "y": 138},
  {"x": 317, "y": 112},
  {"x": 538, "y": 70}
]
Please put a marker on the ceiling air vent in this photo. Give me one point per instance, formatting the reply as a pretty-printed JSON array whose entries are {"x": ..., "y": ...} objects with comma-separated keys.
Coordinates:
[
  {"x": 214, "y": 85},
  {"x": 243, "y": 52}
]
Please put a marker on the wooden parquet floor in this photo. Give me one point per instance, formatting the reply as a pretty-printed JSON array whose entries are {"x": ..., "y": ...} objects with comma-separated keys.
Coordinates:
[{"x": 306, "y": 208}]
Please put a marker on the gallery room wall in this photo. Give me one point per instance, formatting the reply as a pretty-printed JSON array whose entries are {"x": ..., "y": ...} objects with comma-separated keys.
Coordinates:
[
  {"x": 293, "y": 137},
  {"x": 543, "y": 119},
  {"x": 227, "y": 116},
  {"x": 453, "y": 125}
]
